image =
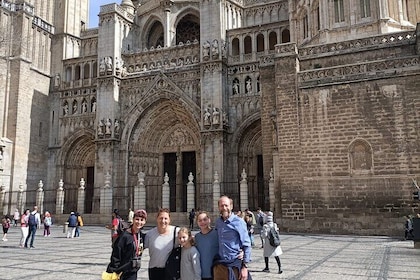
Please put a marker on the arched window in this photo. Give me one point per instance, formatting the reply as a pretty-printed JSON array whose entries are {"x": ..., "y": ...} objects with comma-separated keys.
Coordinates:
[
  {"x": 285, "y": 36},
  {"x": 260, "y": 43},
  {"x": 155, "y": 37},
  {"x": 247, "y": 45},
  {"x": 68, "y": 74},
  {"x": 95, "y": 69},
  {"x": 86, "y": 71},
  {"x": 235, "y": 46},
  {"x": 77, "y": 73},
  {"x": 188, "y": 29},
  {"x": 272, "y": 40}
]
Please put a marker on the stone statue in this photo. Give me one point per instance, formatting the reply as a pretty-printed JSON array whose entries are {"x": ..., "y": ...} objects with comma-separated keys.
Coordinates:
[
  {"x": 102, "y": 66},
  {"x": 206, "y": 49},
  {"x": 216, "y": 116},
  {"x": 235, "y": 87},
  {"x": 108, "y": 124},
  {"x": 93, "y": 108},
  {"x": 116, "y": 127},
  {"x": 75, "y": 107},
  {"x": 207, "y": 117},
  {"x": 84, "y": 106},
  {"x": 57, "y": 80},
  {"x": 101, "y": 128},
  {"x": 108, "y": 64},
  {"x": 66, "y": 109},
  {"x": 248, "y": 86},
  {"x": 215, "y": 48}
]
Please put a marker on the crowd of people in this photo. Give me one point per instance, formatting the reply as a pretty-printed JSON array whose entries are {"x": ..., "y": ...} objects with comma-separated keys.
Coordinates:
[{"x": 220, "y": 253}]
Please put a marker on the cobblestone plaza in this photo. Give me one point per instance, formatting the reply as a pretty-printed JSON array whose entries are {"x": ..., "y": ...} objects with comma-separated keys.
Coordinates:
[{"x": 311, "y": 257}]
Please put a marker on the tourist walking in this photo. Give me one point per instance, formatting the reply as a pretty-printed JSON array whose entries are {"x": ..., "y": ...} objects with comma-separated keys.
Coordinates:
[
  {"x": 24, "y": 228},
  {"x": 270, "y": 250},
  {"x": 79, "y": 224},
  {"x": 408, "y": 228},
  {"x": 260, "y": 223},
  {"x": 233, "y": 237},
  {"x": 72, "y": 220},
  {"x": 5, "y": 221},
  {"x": 128, "y": 249},
  {"x": 160, "y": 242},
  {"x": 34, "y": 222},
  {"x": 191, "y": 218},
  {"x": 190, "y": 257},
  {"x": 16, "y": 217},
  {"x": 47, "y": 224}
]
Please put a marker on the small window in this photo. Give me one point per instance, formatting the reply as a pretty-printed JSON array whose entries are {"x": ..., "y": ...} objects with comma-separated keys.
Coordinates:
[
  {"x": 339, "y": 10},
  {"x": 364, "y": 8}
]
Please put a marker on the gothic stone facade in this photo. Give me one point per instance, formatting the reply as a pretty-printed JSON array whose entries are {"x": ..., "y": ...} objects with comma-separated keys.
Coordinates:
[{"x": 320, "y": 97}]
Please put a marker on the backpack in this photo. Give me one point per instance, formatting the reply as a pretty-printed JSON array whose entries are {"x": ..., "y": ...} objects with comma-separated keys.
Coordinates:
[
  {"x": 274, "y": 237},
  {"x": 122, "y": 226},
  {"x": 32, "y": 220},
  {"x": 173, "y": 263}
]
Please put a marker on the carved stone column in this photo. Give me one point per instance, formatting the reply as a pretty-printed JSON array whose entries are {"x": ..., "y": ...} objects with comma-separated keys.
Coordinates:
[
  {"x": 106, "y": 196},
  {"x": 81, "y": 197},
  {"x": 216, "y": 192},
  {"x": 165, "y": 191},
  {"x": 190, "y": 193},
  {"x": 140, "y": 192},
  {"x": 20, "y": 205},
  {"x": 40, "y": 197},
  {"x": 243, "y": 191},
  {"x": 59, "y": 206}
]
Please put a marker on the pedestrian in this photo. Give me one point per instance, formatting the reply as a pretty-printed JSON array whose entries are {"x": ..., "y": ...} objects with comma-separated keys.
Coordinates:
[
  {"x": 207, "y": 244},
  {"x": 191, "y": 217},
  {"x": 160, "y": 242},
  {"x": 114, "y": 225},
  {"x": 269, "y": 250},
  {"x": 233, "y": 237},
  {"x": 408, "y": 227},
  {"x": 16, "y": 217},
  {"x": 5, "y": 222},
  {"x": 24, "y": 228},
  {"x": 128, "y": 249},
  {"x": 79, "y": 224},
  {"x": 34, "y": 222},
  {"x": 130, "y": 216},
  {"x": 72, "y": 220},
  {"x": 190, "y": 257},
  {"x": 47, "y": 224},
  {"x": 260, "y": 223},
  {"x": 250, "y": 227}
]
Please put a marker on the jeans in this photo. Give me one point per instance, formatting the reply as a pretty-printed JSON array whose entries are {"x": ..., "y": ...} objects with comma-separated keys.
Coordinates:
[{"x": 31, "y": 234}]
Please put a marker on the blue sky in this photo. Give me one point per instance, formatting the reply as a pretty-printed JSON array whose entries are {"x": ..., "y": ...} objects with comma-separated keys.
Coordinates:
[{"x": 94, "y": 6}]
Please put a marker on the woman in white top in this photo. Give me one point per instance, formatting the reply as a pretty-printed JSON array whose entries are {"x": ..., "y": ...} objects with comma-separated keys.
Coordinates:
[{"x": 159, "y": 241}]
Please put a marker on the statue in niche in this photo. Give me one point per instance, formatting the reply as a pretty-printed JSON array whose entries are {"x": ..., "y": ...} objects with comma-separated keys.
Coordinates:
[
  {"x": 223, "y": 49},
  {"x": 84, "y": 106},
  {"x": 235, "y": 87},
  {"x": 101, "y": 128},
  {"x": 117, "y": 65},
  {"x": 216, "y": 116},
  {"x": 215, "y": 48},
  {"x": 108, "y": 124},
  {"x": 206, "y": 50},
  {"x": 102, "y": 66},
  {"x": 74, "y": 107},
  {"x": 248, "y": 85},
  {"x": 207, "y": 117},
  {"x": 117, "y": 127},
  {"x": 93, "y": 108},
  {"x": 108, "y": 64},
  {"x": 57, "y": 80},
  {"x": 66, "y": 109}
]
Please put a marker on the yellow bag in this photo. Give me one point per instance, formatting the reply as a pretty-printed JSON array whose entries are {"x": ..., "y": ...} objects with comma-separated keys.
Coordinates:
[{"x": 111, "y": 276}]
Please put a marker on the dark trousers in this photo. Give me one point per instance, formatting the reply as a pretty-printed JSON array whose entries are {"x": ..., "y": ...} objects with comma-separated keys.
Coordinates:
[
  {"x": 31, "y": 234},
  {"x": 156, "y": 273}
]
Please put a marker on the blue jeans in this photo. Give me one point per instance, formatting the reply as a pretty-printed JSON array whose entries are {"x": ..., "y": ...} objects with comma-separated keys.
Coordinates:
[{"x": 31, "y": 234}]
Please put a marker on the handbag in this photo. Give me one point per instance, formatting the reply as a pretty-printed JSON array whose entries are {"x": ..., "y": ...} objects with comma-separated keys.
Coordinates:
[
  {"x": 173, "y": 263},
  {"x": 111, "y": 276}
]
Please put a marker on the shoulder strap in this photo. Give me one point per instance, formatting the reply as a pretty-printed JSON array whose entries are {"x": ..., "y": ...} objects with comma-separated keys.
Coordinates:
[{"x": 173, "y": 241}]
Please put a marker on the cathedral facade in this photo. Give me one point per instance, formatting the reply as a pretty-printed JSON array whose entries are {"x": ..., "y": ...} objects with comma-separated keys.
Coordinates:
[{"x": 315, "y": 103}]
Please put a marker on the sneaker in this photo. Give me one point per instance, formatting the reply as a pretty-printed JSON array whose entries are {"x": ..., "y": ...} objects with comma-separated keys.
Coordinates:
[
  {"x": 32, "y": 247},
  {"x": 280, "y": 271},
  {"x": 4, "y": 239},
  {"x": 265, "y": 270}
]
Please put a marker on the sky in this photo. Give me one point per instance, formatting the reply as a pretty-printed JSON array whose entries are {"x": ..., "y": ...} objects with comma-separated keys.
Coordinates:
[{"x": 94, "y": 6}]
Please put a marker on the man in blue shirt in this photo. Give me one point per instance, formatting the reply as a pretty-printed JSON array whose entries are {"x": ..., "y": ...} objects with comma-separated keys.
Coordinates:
[{"x": 233, "y": 237}]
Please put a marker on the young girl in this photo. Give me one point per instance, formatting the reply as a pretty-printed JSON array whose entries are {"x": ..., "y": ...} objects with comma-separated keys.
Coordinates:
[
  {"x": 6, "y": 225},
  {"x": 207, "y": 243},
  {"x": 47, "y": 224},
  {"x": 190, "y": 257}
]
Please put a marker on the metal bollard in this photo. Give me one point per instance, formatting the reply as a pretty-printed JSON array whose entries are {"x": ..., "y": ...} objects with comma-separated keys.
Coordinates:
[{"x": 66, "y": 227}]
